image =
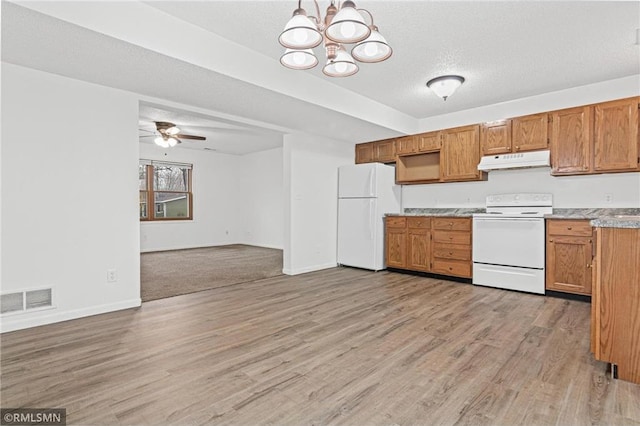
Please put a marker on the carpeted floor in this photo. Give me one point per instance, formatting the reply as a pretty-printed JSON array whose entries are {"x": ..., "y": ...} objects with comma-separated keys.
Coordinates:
[{"x": 171, "y": 273}]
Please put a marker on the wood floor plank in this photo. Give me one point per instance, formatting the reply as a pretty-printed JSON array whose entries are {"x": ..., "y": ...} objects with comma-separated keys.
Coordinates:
[{"x": 340, "y": 346}]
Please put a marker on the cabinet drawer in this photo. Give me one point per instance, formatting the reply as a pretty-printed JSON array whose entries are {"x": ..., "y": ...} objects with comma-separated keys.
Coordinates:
[
  {"x": 395, "y": 221},
  {"x": 452, "y": 224},
  {"x": 452, "y": 237},
  {"x": 579, "y": 228},
  {"x": 452, "y": 267},
  {"x": 451, "y": 251},
  {"x": 419, "y": 222}
]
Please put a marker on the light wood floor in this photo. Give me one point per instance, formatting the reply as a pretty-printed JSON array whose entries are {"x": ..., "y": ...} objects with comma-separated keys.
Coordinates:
[{"x": 341, "y": 346}]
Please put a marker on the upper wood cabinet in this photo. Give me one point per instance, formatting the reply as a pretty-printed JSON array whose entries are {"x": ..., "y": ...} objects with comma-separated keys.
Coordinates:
[
  {"x": 424, "y": 142},
  {"x": 381, "y": 151},
  {"x": 406, "y": 145},
  {"x": 616, "y": 135},
  {"x": 431, "y": 141},
  {"x": 530, "y": 133},
  {"x": 596, "y": 138},
  {"x": 384, "y": 151},
  {"x": 571, "y": 141},
  {"x": 461, "y": 153},
  {"x": 364, "y": 153},
  {"x": 495, "y": 137}
]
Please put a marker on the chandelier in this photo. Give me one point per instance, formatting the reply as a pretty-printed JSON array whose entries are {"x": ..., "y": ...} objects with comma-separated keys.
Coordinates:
[{"x": 343, "y": 24}]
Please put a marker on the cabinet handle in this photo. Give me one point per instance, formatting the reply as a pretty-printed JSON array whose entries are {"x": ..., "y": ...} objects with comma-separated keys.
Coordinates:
[
  {"x": 517, "y": 148},
  {"x": 550, "y": 241},
  {"x": 569, "y": 228},
  {"x": 450, "y": 253},
  {"x": 589, "y": 266}
]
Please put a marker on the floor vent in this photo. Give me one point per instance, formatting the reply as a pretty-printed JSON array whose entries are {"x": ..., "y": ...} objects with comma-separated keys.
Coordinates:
[{"x": 26, "y": 300}]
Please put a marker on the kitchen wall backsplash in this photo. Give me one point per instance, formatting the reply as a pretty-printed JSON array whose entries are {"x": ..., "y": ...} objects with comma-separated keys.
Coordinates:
[{"x": 613, "y": 190}]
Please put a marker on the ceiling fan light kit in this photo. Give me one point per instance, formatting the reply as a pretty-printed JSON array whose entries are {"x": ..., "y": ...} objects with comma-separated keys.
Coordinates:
[
  {"x": 445, "y": 85},
  {"x": 342, "y": 24},
  {"x": 168, "y": 135}
]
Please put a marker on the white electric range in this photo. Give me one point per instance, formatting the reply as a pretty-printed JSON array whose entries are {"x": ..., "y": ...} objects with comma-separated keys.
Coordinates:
[{"x": 509, "y": 242}]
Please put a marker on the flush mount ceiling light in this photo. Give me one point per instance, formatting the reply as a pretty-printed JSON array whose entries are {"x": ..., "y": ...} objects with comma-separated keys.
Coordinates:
[
  {"x": 343, "y": 24},
  {"x": 445, "y": 85}
]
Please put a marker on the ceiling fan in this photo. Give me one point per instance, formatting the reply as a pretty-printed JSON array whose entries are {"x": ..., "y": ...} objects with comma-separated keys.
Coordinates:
[{"x": 168, "y": 135}]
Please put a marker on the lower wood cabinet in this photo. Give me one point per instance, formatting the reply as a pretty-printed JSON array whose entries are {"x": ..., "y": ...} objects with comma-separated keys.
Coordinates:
[
  {"x": 440, "y": 245},
  {"x": 396, "y": 242},
  {"x": 570, "y": 250},
  {"x": 615, "y": 304}
]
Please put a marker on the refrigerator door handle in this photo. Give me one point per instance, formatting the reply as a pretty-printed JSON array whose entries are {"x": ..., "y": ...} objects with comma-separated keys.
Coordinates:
[
  {"x": 372, "y": 217},
  {"x": 371, "y": 181}
]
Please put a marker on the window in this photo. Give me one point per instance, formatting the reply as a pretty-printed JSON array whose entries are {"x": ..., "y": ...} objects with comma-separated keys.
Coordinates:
[{"x": 168, "y": 187}]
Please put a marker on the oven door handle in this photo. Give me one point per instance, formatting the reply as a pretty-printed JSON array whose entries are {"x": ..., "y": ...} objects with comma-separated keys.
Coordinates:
[{"x": 507, "y": 219}]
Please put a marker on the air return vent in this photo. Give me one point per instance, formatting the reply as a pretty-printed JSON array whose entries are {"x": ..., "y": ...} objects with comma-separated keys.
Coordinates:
[{"x": 26, "y": 300}]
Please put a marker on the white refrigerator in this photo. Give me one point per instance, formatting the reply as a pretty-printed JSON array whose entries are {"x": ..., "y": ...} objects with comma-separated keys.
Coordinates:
[{"x": 365, "y": 193}]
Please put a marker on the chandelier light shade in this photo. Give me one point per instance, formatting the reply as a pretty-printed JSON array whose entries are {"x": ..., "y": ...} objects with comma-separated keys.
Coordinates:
[
  {"x": 444, "y": 86},
  {"x": 300, "y": 32},
  {"x": 299, "y": 59},
  {"x": 348, "y": 25},
  {"x": 373, "y": 49},
  {"x": 343, "y": 24},
  {"x": 342, "y": 65}
]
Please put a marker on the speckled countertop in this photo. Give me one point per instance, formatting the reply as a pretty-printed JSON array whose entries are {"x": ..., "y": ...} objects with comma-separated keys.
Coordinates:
[
  {"x": 591, "y": 213},
  {"x": 602, "y": 218},
  {"x": 453, "y": 212}
]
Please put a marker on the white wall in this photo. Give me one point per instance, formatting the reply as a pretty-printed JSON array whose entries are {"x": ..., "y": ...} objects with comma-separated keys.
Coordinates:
[
  {"x": 260, "y": 177},
  {"x": 216, "y": 202},
  {"x": 568, "y": 191},
  {"x": 311, "y": 201},
  {"x": 69, "y": 194}
]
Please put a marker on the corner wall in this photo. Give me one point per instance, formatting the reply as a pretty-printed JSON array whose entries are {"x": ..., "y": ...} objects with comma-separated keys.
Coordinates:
[
  {"x": 69, "y": 195},
  {"x": 311, "y": 201},
  {"x": 260, "y": 177}
]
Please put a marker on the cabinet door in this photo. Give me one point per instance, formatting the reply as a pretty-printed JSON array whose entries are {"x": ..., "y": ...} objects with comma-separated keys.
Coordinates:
[
  {"x": 396, "y": 247},
  {"x": 530, "y": 133},
  {"x": 569, "y": 264},
  {"x": 495, "y": 137},
  {"x": 364, "y": 153},
  {"x": 406, "y": 145},
  {"x": 616, "y": 135},
  {"x": 384, "y": 151},
  {"x": 431, "y": 141},
  {"x": 419, "y": 249},
  {"x": 571, "y": 141},
  {"x": 461, "y": 148}
]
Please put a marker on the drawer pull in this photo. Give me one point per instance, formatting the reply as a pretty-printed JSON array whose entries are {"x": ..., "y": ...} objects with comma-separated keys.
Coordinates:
[
  {"x": 550, "y": 241},
  {"x": 569, "y": 228},
  {"x": 450, "y": 253}
]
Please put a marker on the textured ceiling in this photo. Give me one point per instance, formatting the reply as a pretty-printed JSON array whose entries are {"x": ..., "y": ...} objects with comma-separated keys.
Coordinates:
[{"x": 506, "y": 50}]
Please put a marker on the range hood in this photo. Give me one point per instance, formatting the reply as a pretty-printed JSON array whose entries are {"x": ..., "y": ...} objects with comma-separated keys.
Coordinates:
[{"x": 519, "y": 160}]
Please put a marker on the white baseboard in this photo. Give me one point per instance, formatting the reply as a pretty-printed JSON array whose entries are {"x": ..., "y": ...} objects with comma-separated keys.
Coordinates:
[
  {"x": 22, "y": 321},
  {"x": 156, "y": 249},
  {"x": 306, "y": 269}
]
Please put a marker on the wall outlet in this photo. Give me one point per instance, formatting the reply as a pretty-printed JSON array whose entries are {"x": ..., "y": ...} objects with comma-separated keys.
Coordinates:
[
  {"x": 112, "y": 276},
  {"x": 608, "y": 198}
]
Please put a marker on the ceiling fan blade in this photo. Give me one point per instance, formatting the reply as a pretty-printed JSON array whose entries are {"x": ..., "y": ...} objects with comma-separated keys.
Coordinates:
[{"x": 198, "y": 138}]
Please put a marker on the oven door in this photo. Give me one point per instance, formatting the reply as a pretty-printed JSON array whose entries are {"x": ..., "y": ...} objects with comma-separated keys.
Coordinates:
[{"x": 509, "y": 241}]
